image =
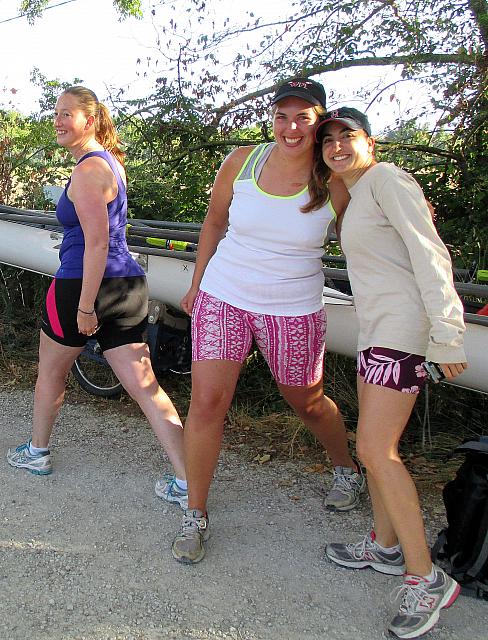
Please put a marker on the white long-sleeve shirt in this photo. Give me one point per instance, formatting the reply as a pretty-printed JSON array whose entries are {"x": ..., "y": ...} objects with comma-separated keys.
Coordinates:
[{"x": 400, "y": 270}]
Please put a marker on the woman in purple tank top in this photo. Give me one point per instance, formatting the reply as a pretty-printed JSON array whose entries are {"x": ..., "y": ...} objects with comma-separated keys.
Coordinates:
[{"x": 98, "y": 289}]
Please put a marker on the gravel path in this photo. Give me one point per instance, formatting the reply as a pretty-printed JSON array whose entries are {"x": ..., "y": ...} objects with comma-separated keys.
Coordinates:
[{"x": 85, "y": 552}]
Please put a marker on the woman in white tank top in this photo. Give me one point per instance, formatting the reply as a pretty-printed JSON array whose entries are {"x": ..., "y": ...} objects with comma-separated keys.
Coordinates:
[{"x": 258, "y": 269}]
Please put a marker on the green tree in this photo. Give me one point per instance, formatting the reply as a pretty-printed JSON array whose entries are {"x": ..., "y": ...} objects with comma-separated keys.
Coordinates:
[
  {"x": 33, "y": 9},
  {"x": 442, "y": 45},
  {"x": 209, "y": 100},
  {"x": 172, "y": 156},
  {"x": 29, "y": 156},
  {"x": 26, "y": 160}
]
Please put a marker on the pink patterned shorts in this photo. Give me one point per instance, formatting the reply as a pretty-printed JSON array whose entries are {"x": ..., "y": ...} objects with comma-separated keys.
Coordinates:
[
  {"x": 393, "y": 369},
  {"x": 293, "y": 346}
]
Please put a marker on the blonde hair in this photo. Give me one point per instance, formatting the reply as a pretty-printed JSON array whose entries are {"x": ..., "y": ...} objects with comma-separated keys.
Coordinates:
[
  {"x": 317, "y": 185},
  {"x": 105, "y": 132}
]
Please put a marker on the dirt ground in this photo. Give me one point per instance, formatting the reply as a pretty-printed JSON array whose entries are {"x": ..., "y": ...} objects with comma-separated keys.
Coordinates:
[{"x": 85, "y": 552}]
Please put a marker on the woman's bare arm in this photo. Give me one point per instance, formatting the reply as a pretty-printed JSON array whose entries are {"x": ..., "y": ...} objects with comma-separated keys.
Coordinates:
[
  {"x": 216, "y": 220},
  {"x": 91, "y": 188}
]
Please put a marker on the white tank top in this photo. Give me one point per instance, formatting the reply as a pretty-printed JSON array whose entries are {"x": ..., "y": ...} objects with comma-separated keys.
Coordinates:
[{"x": 270, "y": 258}]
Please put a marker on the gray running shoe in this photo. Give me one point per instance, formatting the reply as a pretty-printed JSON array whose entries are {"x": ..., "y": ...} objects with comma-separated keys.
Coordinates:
[
  {"x": 168, "y": 490},
  {"x": 188, "y": 546},
  {"x": 346, "y": 489},
  {"x": 366, "y": 553},
  {"x": 421, "y": 603},
  {"x": 21, "y": 457}
]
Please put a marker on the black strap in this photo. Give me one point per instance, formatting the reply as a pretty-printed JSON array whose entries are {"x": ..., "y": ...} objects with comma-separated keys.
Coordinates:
[
  {"x": 482, "y": 558},
  {"x": 438, "y": 545}
]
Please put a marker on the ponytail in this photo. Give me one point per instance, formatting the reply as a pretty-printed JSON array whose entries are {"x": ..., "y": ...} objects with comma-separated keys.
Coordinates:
[{"x": 106, "y": 133}]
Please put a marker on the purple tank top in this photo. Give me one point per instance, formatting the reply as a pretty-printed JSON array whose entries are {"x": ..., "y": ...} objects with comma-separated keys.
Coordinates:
[{"x": 119, "y": 261}]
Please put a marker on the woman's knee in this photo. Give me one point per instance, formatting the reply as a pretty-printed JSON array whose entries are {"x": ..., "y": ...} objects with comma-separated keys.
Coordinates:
[
  {"x": 310, "y": 410},
  {"x": 368, "y": 451},
  {"x": 210, "y": 404},
  {"x": 307, "y": 402},
  {"x": 141, "y": 386},
  {"x": 54, "y": 378},
  {"x": 374, "y": 455}
]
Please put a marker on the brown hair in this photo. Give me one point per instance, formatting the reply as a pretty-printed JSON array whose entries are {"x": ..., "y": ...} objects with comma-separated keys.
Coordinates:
[
  {"x": 317, "y": 185},
  {"x": 105, "y": 132}
]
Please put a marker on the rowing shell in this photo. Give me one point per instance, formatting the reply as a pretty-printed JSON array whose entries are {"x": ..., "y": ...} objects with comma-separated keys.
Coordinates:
[{"x": 169, "y": 275}]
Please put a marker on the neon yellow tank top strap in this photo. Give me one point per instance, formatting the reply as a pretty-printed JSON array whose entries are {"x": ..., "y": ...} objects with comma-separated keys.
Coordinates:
[{"x": 246, "y": 172}]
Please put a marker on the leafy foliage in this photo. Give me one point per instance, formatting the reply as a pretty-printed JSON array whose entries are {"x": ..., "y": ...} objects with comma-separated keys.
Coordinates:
[
  {"x": 452, "y": 175},
  {"x": 26, "y": 160},
  {"x": 33, "y": 8},
  {"x": 218, "y": 74},
  {"x": 173, "y": 156},
  {"x": 29, "y": 156}
]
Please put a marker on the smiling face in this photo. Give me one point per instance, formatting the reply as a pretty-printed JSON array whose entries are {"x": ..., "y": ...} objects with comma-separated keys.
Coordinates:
[
  {"x": 73, "y": 127},
  {"x": 346, "y": 152},
  {"x": 294, "y": 124}
]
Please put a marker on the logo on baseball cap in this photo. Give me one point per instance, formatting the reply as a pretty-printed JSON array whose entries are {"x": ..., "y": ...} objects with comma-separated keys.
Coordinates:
[
  {"x": 304, "y": 88},
  {"x": 349, "y": 117}
]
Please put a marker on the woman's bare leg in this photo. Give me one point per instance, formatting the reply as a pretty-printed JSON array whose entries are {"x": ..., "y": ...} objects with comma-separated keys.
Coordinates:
[
  {"x": 55, "y": 362},
  {"x": 322, "y": 416},
  {"x": 386, "y": 535},
  {"x": 383, "y": 415},
  {"x": 131, "y": 364},
  {"x": 213, "y": 386}
]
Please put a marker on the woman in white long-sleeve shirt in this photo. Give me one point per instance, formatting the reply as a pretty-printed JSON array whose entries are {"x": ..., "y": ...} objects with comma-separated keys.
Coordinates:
[{"x": 408, "y": 311}]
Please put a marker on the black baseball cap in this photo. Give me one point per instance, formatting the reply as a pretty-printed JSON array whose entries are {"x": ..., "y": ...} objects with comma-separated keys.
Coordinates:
[
  {"x": 305, "y": 88},
  {"x": 349, "y": 117}
]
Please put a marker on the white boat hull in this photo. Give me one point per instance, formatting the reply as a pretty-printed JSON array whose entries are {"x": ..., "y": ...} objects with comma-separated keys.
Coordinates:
[
  {"x": 37, "y": 250},
  {"x": 29, "y": 248},
  {"x": 169, "y": 279}
]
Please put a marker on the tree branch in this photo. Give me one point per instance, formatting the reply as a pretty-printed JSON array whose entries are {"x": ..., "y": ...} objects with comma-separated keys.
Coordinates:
[
  {"x": 461, "y": 58},
  {"x": 479, "y": 9}
]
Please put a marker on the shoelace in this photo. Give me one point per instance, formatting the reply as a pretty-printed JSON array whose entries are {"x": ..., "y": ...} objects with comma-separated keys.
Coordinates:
[
  {"x": 413, "y": 594},
  {"x": 347, "y": 482},
  {"x": 191, "y": 525},
  {"x": 173, "y": 487},
  {"x": 24, "y": 454},
  {"x": 358, "y": 549}
]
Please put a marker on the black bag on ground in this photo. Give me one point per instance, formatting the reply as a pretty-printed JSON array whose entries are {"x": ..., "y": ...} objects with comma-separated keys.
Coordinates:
[
  {"x": 172, "y": 350},
  {"x": 461, "y": 548}
]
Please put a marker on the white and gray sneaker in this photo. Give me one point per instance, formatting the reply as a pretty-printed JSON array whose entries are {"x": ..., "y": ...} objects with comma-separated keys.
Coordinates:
[
  {"x": 347, "y": 486},
  {"x": 189, "y": 544},
  {"x": 40, "y": 463},
  {"x": 167, "y": 488},
  {"x": 421, "y": 603},
  {"x": 367, "y": 553}
]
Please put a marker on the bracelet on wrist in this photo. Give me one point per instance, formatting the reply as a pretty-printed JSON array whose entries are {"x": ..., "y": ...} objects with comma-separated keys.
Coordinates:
[{"x": 87, "y": 313}]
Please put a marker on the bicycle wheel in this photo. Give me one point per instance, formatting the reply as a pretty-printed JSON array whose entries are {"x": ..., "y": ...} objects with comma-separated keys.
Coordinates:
[{"x": 94, "y": 375}]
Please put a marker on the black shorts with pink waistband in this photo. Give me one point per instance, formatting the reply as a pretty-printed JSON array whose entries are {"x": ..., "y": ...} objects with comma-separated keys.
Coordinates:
[{"x": 121, "y": 307}]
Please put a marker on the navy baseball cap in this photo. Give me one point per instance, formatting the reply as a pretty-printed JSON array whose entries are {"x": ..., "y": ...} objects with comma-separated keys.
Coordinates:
[
  {"x": 304, "y": 88},
  {"x": 349, "y": 117}
]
